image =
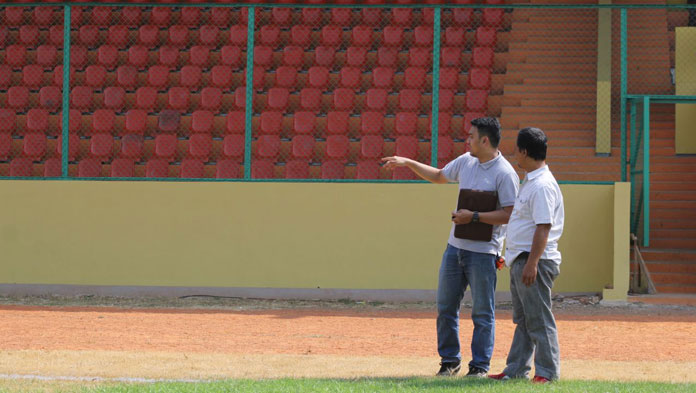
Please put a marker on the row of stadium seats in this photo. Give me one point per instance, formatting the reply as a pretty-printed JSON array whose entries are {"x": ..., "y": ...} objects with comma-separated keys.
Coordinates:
[{"x": 192, "y": 168}]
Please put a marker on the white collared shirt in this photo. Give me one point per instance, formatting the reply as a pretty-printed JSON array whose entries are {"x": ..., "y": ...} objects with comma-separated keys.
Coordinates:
[{"x": 539, "y": 202}]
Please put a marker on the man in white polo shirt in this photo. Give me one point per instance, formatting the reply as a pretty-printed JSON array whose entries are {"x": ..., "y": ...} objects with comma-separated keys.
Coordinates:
[
  {"x": 466, "y": 262},
  {"x": 532, "y": 253}
]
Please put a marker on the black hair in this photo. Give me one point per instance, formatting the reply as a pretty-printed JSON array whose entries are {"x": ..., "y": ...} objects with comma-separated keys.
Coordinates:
[
  {"x": 490, "y": 127},
  {"x": 534, "y": 142}
]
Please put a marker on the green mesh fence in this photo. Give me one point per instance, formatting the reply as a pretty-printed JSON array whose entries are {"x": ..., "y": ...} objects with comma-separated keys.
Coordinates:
[{"x": 161, "y": 92}]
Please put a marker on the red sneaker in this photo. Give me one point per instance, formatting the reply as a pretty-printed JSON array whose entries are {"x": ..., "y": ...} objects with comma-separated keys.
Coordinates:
[
  {"x": 499, "y": 377},
  {"x": 538, "y": 379}
]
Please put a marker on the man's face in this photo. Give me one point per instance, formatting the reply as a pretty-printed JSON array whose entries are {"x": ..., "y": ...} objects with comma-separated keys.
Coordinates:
[
  {"x": 474, "y": 141},
  {"x": 519, "y": 156}
]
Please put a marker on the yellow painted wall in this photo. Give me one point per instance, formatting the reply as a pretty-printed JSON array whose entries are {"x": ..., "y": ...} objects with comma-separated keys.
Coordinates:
[
  {"x": 278, "y": 235},
  {"x": 685, "y": 78}
]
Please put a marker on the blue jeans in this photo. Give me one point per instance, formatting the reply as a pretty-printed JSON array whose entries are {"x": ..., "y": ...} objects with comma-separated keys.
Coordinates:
[{"x": 459, "y": 269}]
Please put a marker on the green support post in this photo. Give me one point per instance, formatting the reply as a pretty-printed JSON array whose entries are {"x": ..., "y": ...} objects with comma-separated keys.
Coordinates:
[
  {"x": 646, "y": 171},
  {"x": 434, "y": 119},
  {"x": 65, "y": 120},
  {"x": 249, "y": 102},
  {"x": 624, "y": 83}
]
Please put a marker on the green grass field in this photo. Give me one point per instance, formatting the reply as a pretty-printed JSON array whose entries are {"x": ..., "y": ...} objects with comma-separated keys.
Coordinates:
[{"x": 420, "y": 385}]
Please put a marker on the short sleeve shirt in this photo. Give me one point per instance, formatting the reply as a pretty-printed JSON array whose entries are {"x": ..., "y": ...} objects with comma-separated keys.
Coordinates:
[{"x": 494, "y": 175}]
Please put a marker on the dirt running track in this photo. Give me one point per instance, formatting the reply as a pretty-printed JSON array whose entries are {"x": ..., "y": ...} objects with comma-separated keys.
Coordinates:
[{"x": 176, "y": 343}]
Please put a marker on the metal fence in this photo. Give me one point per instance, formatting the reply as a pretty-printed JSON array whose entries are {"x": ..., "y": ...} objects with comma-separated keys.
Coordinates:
[{"x": 318, "y": 93}]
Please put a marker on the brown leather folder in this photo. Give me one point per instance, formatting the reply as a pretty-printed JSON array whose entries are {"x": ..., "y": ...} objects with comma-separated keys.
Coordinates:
[{"x": 480, "y": 201}]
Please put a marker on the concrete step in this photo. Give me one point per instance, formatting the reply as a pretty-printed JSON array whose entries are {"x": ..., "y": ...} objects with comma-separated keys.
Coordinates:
[
  {"x": 682, "y": 278},
  {"x": 669, "y": 255},
  {"x": 671, "y": 267},
  {"x": 676, "y": 288}
]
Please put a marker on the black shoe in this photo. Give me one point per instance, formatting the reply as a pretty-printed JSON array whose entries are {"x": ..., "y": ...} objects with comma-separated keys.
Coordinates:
[
  {"x": 476, "y": 372},
  {"x": 449, "y": 369}
]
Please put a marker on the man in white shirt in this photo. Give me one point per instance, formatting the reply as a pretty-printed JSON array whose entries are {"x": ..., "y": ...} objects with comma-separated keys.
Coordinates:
[
  {"x": 468, "y": 262},
  {"x": 532, "y": 253}
]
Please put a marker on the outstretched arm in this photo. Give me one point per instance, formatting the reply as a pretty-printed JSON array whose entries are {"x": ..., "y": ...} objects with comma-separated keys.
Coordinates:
[{"x": 427, "y": 172}]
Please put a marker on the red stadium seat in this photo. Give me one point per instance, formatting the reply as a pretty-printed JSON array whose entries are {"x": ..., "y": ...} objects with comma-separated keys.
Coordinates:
[
  {"x": 165, "y": 146},
  {"x": 18, "y": 97},
  {"x": 37, "y": 120},
  {"x": 126, "y": 76},
  {"x": 302, "y": 146},
  {"x": 403, "y": 173},
  {"x": 138, "y": 56},
  {"x": 392, "y": 36},
  {"x": 262, "y": 169},
  {"x": 445, "y": 147},
  {"x": 178, "y": 98},
  {"x": 486, "y": 36},
  {"x": 226, "y": 169},
  {"x": 356, "y": 56},
  {"x": 231, "y": 56},
  {"x": 233, "y": 146},
  {"x": 192, "y": 169},
  {"x": 318, "y": 77},
  {"x": 297, "y": 169},
  {"x": 44, "y": 16},
  {"x": 132, "y": 16},
  {"x": 278, "y": 98},
  {"x": 101, "y": 15},
  {"x": 285, "y": 77},
  {"x": 81, "y": 97},
  {"x": 420, "y": 57},
  {"x": 122, "y": 167},
  {"x": 324, "y": 55},
  {"x": 158, "y": 76},
  {"x": 343, "y": 99},
  {"x": 449, "y": 78},
  {"x": 47, "y": 55},
  {"x": 107, "y": 56},
  {"x": 34, "y": 146},
  {"x": 332, "y": 170},
  {"x": 32, "y": 75},
  {"x": 368, "y": 169},
  {"x": 386, "y": 57},
  {"x": 179, "y": 36},
  {"x": 50, "y": 97},
  {"x": 268, "y": 146},
  {"x": 29, "y": 35},
  {"x": 235, "y": 122},
  {"x": 95, "y": 75},
  {"x": 101, "y": 145},
  {"x": 331, "y": 35},
  {"x": 477, "y": 100},
  {"x": 190, "y": 16},
  {"x": 221, "y": 76},
  {"x": 407, "y": 146},
  {"x": 350, "y": 77},
  {"x": 454, "y": 36},
  {"x": 15, "y": 55},
  {"x": 240, "y": 97},
  {"x": 221, "y": 16},
  {"x": 132, "y": 146},
  {"x": 8, "y": 120},
  {"x": 372, "y": 16},
  {"x": 311, "y": 16},
  {"x": 446, "y": 99},
  {"x": 463, "y": 16},
  {"x": 410, "y": 100},
  {"x": 169, "y": 121},
  {"x": 55, "y": 35},
  {"x": 482, "y": 57},
  {"x": 117, "y": 36},
  {"x": 6, "y": 76},
  {"x": 371, "y": 123},
  {"x": 211, "y": 98},
  {"x": 362, "y": 36},
  {"x": 479, "y": 78},
  {"x": 208, "y": 35},
  {"x": 103, "y": 120},
  {"x": 376, "y": 99},
  {"x": 168, "y": 56},
  {"x": 157, "y": 167},
  {"x": 90, "y": 167},
  {"x": 73, "y": 146},
  {"x": 21, "y": 167},
  {"x": 414, "y": 78},
  {"x": 293, "y": 56},
  {"x": 450, "y": 57},
  {"x": 406, "y": 123},
  {"x": 202, "y": 121},
  {"x": 88, "y": 35},
  {"x": 14, "y": 16},
  {"x": 310, "y": 99},
  {"x": 53, "y": 167},
  {"x": 371, "y": 146},
  {"x": 136, "y": 121},
  {"x": 190, "y": 76},
  {"x": 263, "y": 56},
  {"x": 281, "y": 16},
  {"x": 337, "y": 122},
  {"x": 271, "y": 122},
  {"x": 303, "y": 122},
  {"x": 300, "y": 35},
  {"x": 269, "y": 35},
  {"x": 341, "y": 16},
  {"x": 337, "y": 146},
  {"x": 199, "y": 146},
  {"x": 148, "y": 35},
  {"x": 238, "y": 35},
  {"x": 423, "y": 36},
  {"x": 145, "y": 98},
  {"x": 114, "y": 97}
]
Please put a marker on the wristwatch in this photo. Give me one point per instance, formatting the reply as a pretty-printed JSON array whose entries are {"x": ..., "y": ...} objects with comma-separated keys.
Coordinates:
[{"x": 475, "y": 218}]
